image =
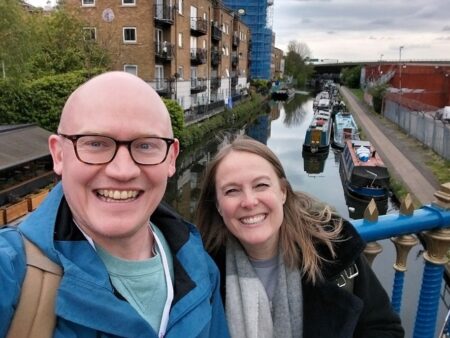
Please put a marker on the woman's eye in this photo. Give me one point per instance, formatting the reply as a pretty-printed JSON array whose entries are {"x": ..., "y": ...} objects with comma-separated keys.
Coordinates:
[
  {"x": 262, "y": 185},
  {"x": 230, "y": 191}
]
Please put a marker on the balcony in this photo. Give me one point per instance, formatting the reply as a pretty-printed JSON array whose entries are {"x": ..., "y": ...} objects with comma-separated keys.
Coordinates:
[
  {"x": 216, "y": 58},
  {"x": 199, "y": 26},
  {"x": 164, "y": 51},
  {"x": 164, "y": 14},
  {"x": 234, "y": 80},
  {"x": 236, "y": 39},
  {"x": 215, "y": 83},
  {"x": 216, "y": 32},
  {"x": 163, "y": 86},
  {"x": 198, "y": 56},
  {"x": 198, "y": 85},
  {"x": 234, "y": 59}
]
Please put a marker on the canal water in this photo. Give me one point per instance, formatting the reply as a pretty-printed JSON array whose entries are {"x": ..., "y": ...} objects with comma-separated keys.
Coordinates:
[{"x": 283, "y": 130}]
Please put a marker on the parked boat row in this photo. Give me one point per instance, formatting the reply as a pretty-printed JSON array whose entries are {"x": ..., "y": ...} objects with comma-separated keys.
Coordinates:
[{"x": 363, "y": 173}]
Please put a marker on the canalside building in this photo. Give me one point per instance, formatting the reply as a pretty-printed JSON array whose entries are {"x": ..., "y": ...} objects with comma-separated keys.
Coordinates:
[{"x": 192, "y": 51}]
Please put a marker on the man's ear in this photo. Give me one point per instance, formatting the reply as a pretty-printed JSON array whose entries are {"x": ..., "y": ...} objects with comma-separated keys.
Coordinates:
[
  {"x": 55, "y": 146},
  {"x": 172, "y": 157}
]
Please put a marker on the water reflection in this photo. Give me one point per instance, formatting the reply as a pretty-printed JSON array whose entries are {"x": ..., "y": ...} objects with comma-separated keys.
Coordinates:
[
  {"x": 314, "y": 163},
  {"x": 283, "y": 131}
]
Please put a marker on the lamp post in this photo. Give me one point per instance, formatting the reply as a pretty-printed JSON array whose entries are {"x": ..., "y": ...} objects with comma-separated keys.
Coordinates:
[
  {"x": 379, "y": 66},
  {"x": 400, "y": 68}
]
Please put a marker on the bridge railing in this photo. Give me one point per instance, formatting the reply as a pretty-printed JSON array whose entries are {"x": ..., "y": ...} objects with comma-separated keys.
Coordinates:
[{"x": 430, "y": 226}]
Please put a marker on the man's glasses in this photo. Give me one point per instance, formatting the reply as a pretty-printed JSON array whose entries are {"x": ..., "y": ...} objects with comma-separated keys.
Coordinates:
[{"x": 97, "y": 149}]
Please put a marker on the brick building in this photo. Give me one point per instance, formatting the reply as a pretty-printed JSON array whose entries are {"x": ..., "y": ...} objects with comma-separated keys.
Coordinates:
[
  {"x": 193, "y": 51},
  {"x": 425, "y": 84}
]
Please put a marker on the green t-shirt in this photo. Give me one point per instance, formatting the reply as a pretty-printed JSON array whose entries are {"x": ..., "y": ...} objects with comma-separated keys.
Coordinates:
[{"x": 141, "y": 283}]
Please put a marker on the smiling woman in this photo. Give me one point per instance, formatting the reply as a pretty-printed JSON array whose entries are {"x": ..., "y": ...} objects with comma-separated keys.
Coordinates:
[{"x": 282, "y": 255}]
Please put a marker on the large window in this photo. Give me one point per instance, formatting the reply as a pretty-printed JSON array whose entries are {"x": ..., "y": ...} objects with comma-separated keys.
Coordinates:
[
  {"x": 132, "y": 69},
  {"x": 159, "y": 77},
  {"x": 180, "y": 7},
  {"x": 129, "y": 35}
]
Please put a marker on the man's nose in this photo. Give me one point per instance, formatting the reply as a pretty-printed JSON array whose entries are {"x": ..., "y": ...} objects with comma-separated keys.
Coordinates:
[{"x": 123, "y": 167}]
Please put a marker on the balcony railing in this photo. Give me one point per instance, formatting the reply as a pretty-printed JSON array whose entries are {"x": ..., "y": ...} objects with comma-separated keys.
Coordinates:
[
  {"x": 216, "y": 57},
  {"x": 199, "y": 26},
  {"x": 163, "y": 86},
  {"x": 164, "y": 14},
  {"x": 216, "y": 32},
  {"x": 198, "y": 85},
  {"x": 164, "y": 51},
  {"x": 432, "y": 223},
  {"x": 215, "y": 82},
  {"x": 198, "y": 56}
]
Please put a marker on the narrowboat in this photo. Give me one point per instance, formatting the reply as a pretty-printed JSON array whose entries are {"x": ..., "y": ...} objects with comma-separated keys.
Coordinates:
[
  {"x": 318, "y": 135},
  {"x": 344, "y": 128},
  {"x": 363, "y": 172}
]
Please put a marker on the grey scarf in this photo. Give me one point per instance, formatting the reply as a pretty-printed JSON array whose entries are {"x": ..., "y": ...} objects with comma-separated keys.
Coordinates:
[{"x": 248, "y": 310}]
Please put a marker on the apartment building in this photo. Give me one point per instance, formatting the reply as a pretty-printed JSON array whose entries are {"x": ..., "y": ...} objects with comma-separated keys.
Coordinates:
[{"x": 193, "y": 51}]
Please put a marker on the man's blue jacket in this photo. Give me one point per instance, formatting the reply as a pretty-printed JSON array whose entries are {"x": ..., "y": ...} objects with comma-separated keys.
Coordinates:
[{"x": 87, "y": 304}]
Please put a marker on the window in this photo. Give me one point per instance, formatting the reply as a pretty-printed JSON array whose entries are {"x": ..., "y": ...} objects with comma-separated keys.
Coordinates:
[
  {"x": 129, "y": 34},
  {"x": 180, "y": 40},
  {"x": 180, "y": 7},
  {"x": 159, "y": 77},
  {"x": 132, "y": 69},
  {"x": 89, "y": 34},
  {"x": 128, "y": 2},
  {"x": 87, "y": 3}
]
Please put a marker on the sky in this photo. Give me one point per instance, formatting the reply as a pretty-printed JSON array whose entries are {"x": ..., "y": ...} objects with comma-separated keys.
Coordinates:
[
  {"x": 362, "y": 30},
  {"x": 365, "y": 30}
]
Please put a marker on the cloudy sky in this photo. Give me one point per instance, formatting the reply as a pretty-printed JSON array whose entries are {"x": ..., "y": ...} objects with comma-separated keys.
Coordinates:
[{"x": 349, "y": 30}]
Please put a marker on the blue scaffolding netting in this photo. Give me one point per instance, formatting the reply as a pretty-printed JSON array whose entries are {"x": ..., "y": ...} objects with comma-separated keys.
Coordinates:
[{"x": 256, "y": 17}]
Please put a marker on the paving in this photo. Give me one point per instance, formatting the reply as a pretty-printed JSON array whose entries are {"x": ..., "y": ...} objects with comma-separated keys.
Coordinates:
[{"x": 405, "y": 157}]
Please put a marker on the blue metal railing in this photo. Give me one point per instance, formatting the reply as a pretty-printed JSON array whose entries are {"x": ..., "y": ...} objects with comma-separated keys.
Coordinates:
[{"x": 432, "y": 223}]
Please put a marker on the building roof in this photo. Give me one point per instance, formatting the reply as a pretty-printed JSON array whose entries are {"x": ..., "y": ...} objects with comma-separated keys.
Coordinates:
[{"x": 21, "y": 144}]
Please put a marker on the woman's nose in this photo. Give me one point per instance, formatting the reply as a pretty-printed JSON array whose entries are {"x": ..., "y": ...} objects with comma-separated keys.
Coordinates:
[{"x": 249, "y": 199}]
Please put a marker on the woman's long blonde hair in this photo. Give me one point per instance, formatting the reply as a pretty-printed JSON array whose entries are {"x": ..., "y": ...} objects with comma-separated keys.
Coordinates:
[{"x": 306, "y": 224}]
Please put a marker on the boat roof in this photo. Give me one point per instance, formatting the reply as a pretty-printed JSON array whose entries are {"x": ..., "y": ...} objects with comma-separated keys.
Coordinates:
[
  {"x": 21, "y": 144},
  {"x": 374, "y": 159}
]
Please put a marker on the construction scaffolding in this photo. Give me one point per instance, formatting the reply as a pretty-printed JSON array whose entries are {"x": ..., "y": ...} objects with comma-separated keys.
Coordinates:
[{"x": 258, "y": 15}]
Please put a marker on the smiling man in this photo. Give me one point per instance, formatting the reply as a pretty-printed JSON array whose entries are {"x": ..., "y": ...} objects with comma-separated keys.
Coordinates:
[{"x": 132, "y": 267}]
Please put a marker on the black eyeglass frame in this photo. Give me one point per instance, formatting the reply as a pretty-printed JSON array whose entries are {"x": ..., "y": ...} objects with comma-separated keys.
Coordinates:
[{"x": 118, "y": 143}]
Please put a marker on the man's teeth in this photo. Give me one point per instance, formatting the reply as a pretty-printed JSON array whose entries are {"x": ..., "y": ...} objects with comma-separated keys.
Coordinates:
[
  {"x": 117, "y": 194},
  {"x": 253, "y": 219}
]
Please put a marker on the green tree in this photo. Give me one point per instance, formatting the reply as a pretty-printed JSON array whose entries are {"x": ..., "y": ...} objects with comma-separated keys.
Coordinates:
[
  {"x": 351, "y": 76},
  {"x": 295, "y": 63},
  {"x": 63, "y": 46},
  {"x": 377, "y": 93},
  {"x": 16, "y": 42}
]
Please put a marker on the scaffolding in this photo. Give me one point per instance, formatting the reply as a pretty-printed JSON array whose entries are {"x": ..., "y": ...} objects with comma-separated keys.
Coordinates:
[{"x": 258, "y": 16}]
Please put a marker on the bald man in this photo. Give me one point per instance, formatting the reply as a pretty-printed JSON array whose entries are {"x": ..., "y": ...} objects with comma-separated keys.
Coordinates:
[{"x": 132, "y": 267}]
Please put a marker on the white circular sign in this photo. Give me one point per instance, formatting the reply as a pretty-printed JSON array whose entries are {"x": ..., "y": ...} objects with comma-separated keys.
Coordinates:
[{"x": 108, "y": 15}]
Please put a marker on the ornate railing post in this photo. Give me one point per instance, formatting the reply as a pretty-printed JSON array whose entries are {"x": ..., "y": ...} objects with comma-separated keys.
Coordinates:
[
  {"x": 437, "y": 243},
  {"x": 373, "y": 249},
  {"x": 403, "y": 245}
]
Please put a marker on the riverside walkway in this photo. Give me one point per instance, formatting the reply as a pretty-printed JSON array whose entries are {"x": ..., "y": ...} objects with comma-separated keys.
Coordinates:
[{"x": 405, "y": 161}]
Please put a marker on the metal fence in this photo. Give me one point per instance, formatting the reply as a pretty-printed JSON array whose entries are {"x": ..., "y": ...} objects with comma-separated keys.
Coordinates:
[{"x": 421, "y": 125}]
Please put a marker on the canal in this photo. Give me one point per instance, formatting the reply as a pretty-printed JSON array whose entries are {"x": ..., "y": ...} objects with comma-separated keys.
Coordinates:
[{"x": 283, "y": 130}]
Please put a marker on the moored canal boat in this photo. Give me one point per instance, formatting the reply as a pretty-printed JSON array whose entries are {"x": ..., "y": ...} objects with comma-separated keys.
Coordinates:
[
  {"x": 344, "y": 128},
  {"x": 318, "y": 135},
  {"x": 363, "y": 172}
]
